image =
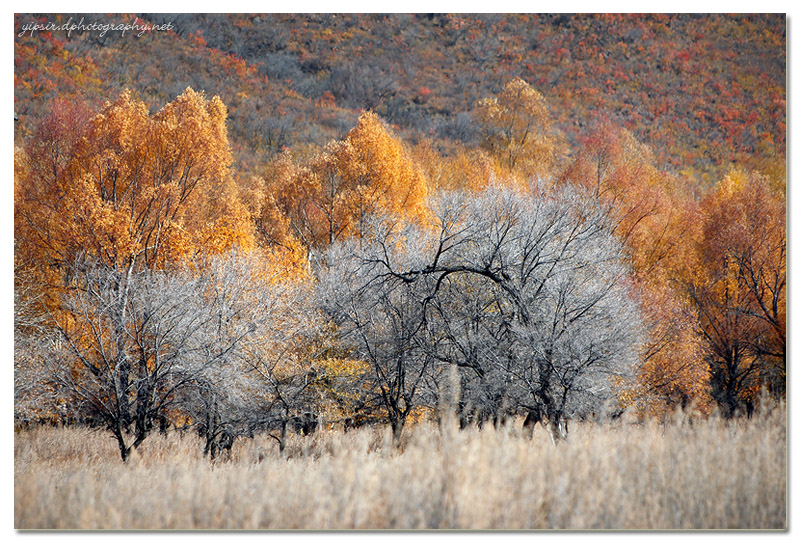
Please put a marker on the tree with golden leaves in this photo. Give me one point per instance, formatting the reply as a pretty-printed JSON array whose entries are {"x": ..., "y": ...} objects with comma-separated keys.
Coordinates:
[
  {"x": 131, "y": 189},
  {"x": 518, "y": 130},
  {"x": 739, "y": 290},
  {"x": 329, "y": 197}
]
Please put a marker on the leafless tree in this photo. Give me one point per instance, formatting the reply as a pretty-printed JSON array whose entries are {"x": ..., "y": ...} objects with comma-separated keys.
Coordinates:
[
  {"x": 525, "y": 292},
  {"x": 268, "y": 383},
  {"x": 381, "y": 317},
  {"x": 139, "y": 346},
  {"x": 131, "y": 340},
  {"x": 554, "y": 305}
]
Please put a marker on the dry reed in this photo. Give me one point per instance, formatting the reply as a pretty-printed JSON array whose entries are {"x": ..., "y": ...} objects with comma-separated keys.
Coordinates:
[{"x": 706, "y": 474}]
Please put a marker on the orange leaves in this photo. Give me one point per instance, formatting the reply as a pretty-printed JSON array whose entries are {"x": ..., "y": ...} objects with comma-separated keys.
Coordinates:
[
  {"x": 654, "y": 211},
  {"x": 740, "y": 293},
  {"x": 331, "y": 195},
  {"x": 729, "y": 257},
  {"x": 744, "y": 247},
  {"x": 376, "y": 166},
  {"x": 673, "y": 371},
  {"x": 192, "y": 130},
  {"x": 126, "y": 186},
  {"x": 469, "y": 170},
  {"x": 745, "y": 218},
  {"x": 518, "y": 130},
  {"x": 655, "y": 217}
]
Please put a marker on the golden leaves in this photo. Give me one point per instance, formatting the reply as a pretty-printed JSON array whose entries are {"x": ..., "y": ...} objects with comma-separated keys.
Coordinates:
[
  {"x": 377, "y": 170},
  {"x": 519, "y": 132},
  {"x": 137, "y": 187},
  {"x": 329, "y": 196}
]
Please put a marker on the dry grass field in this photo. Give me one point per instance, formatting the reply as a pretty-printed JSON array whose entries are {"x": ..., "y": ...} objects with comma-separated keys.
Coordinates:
[{"x": 681, "y": 475}]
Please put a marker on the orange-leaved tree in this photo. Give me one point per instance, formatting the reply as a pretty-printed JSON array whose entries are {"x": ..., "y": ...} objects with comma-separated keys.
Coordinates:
[
  {"x": 126, "y": 188},
  {"x": 331, "y": 196},
  {"x": 518, "y": 131},
  {"x": 656, "y": 217},
  {"x": 739, "y": 290}
]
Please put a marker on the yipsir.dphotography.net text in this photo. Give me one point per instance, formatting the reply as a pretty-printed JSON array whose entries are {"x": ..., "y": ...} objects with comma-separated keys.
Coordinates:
[{"x": 138, "y": 27}]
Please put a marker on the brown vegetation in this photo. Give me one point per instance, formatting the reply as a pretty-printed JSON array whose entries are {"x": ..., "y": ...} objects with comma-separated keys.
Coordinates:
[{"x": 707, "y": 474}]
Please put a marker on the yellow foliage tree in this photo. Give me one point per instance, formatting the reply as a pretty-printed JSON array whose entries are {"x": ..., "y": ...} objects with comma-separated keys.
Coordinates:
[
  {"x": 330, "y": 196},
  {"x": 132, "y": 189},
  {"x": 739, "y": 289},
  {"x": 519, "y": 132}
]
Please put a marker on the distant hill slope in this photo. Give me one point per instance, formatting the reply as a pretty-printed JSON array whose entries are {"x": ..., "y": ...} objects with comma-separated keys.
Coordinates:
[{"x": 704, "y": 91}]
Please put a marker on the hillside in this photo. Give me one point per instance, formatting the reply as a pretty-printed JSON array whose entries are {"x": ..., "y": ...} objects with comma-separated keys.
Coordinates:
[{"x": 704, "y": 92}]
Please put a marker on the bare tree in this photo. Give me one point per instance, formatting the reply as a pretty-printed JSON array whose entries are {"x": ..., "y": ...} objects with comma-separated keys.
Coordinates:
[
  {"x": 553, "y": 320},
  {"x": 526, "y": 293},
  {"x": 268, "y": 382},
  {"x": 225, "y": 345},
  {"x": 280, "y": 361},
  {"x": 136, "y": 343},
  {"x": 381, "y": 317}
]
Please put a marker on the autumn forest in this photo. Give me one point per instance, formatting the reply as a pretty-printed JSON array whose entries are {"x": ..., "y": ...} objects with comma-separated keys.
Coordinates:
[{"x": 309, "y": 227}]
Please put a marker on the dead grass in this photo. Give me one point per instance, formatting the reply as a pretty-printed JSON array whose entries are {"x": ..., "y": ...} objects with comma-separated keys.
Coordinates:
[{"x": 706, "y": 475}]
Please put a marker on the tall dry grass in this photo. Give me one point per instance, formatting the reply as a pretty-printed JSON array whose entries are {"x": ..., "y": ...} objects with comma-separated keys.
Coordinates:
[{"x": 707, "y": 474}]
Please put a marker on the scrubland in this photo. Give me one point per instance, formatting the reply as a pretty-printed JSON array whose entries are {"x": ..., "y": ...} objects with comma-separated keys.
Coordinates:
[{"x": 684, "y": 474}]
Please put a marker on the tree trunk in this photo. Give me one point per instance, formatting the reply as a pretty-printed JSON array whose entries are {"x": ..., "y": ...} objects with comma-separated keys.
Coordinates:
[
  {"x": 397, "y": 429},
  {"x": 211, "y": 431},
  {"x": 143, "y": 423},
  {"x": 124, "y": 450},
  {"x": 555, "y": 427},
  {"x": 282, "y": 441},
  {"x": 724, "y": 388},
  {"x": 534, "y": 416},
  {"x": 123, "y": 405}
]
